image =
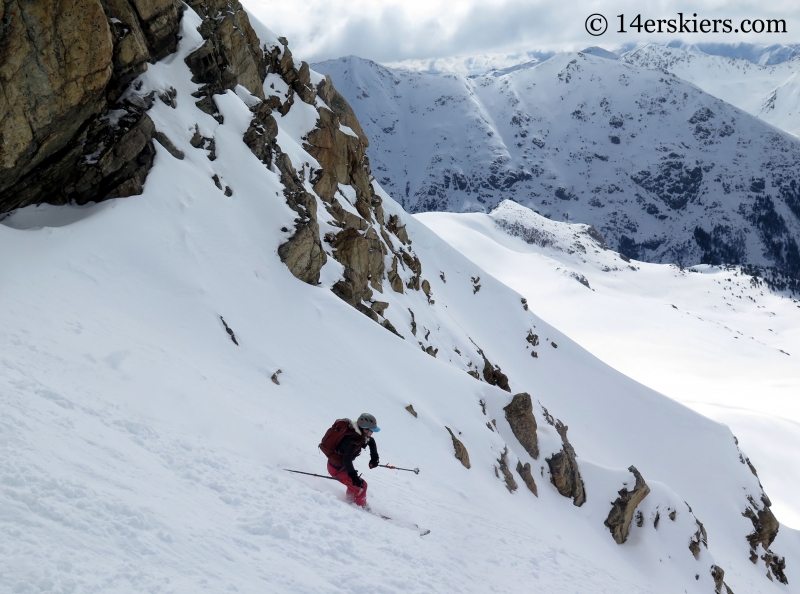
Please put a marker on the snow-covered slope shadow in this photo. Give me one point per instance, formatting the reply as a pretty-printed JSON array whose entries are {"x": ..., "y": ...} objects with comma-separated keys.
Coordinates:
[{"x": 144, "y": 449}]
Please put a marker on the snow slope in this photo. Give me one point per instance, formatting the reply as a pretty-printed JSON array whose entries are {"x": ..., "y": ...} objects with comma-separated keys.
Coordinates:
[
  {"x": 711, "y": 338},
  {"x": 771, "y": 93},
  {"x": 666, "y": 172},
  {"x": 142, "y": 450}
]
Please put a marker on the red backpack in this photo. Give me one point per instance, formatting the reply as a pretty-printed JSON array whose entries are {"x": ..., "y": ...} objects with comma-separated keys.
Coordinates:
[{"x": 333, "y": 438}]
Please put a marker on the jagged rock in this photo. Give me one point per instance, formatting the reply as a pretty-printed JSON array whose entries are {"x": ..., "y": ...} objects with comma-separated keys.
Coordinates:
[
  {"x": 532, "y": 338},
  {"x": 302, "y": 85},
  {"x": 410, "y": 408},
  {"x": 765, "y": 529},
  {"x": 698, "y": 538},
  {"x": 341, "y": 108},
  {"x": 511, "y": 484},
  {"x": 158, "y": 20},
  {"x": 394, "y": 225},
  {"x": 274, "y": 377},
  {"x": 431, "y": 351},
  {"x": 379, "y": 307},
  {"x": 717, "y": 573},
  {"x": 519, "y": 414},
  {"x": 413, "y": 263},
  {"x": 413, "y": 322},
  {"x": 164, "y": 141},
  {"x": 623, "y": 509},
  {"x": 524, "y": 303},
  {"x": 775, "y": 566},
  {"x": 390, "y": 327},
  {"x": 525, "y": 472},
  {"x": 564, "y": 472},
  {"x": 261, "y": 134},
  {"x": 493, "y": 375},
  {"x": 461, "y": 451},
  {"x": 474, "y": 373},
  {"x": 45, "y": 103},
  {"x": 63, "y": 65},
  {"x": 230, "y": 332},
  {"x": 199, "y": 141},
  {"x": 302, "y": 253},
  {"x": 231, "y": 53},
  {"x": 765, "y": 524}
]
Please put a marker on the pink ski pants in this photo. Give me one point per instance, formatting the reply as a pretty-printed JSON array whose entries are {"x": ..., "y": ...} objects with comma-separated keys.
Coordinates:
[{"x": 357, "y": 494}]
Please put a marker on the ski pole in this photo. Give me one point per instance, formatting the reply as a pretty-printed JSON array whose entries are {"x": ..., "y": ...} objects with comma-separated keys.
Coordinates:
[
  {"x": 414, "y": 470},
  {"x": 311, "y": 474}
]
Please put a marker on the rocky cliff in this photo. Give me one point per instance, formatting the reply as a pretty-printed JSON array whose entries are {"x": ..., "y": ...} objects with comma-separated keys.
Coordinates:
[{"x": 65, "y": 135}]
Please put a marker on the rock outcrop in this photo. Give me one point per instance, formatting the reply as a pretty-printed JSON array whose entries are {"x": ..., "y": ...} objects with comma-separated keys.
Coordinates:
[
  {"x": 511, "y": 484},
  {"x": 493, "y": 375},
  {"x": 366, "y": 241},
  {"x": 527, "y": 477},
  {"x": 765, "y": 524},
  {"x": 564, "y": 472},
  {"x": 623, "y": 509},
  {"x": 519, "y": 414},
  {"x": 718, "y": 575},
  {"x": 765, "y": 529},
  {"x": 700, "y": 537},
  {"x": 63, "y": 67},
  {"x": 461, "y": 451}
]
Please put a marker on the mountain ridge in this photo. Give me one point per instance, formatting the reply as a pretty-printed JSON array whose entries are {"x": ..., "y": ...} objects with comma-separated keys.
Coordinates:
[{"x": 666, "y": 172}]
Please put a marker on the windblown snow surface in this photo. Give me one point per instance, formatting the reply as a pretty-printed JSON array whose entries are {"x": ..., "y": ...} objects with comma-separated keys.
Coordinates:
[
  {"x": 141, "y": 450},
  {"x": 711, "y": 337}
]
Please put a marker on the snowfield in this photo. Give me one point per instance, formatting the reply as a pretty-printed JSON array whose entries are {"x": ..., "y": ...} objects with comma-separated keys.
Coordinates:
[
  {"x": 142, "y": 450},
  {"x": 712, "y": 338}
]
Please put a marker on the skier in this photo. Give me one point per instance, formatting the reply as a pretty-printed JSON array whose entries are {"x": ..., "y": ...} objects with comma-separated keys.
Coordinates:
[{"x": 342, "y": 444}]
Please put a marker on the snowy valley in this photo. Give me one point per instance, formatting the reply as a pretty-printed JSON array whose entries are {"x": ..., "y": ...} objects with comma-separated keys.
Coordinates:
[{"x": 219, "y": 276}]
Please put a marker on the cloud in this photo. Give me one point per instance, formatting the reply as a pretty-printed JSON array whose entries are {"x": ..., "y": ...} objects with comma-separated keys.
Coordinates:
[{"x": 391, "y": 31}]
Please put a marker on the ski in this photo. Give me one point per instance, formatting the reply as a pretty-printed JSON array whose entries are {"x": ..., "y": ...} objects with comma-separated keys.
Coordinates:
[{"x": 409, "y": 525}]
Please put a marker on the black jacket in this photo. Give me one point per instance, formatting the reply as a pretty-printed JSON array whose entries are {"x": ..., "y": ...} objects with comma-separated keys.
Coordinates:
[{"x": 350, "y": 448}]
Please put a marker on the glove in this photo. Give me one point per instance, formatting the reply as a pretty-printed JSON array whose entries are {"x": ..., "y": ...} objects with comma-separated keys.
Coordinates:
[
  {"x": 357, "y": 482},
  {"x": 373, "y": 463}
]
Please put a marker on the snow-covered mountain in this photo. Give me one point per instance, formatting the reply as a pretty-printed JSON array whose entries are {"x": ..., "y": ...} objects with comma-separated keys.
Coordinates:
[
  {"x": 769, "y": 92},
  {"x": 757, "y": 53},
  {"x": 713, "y": 338},
  {"x": 666, "y": 172},
  {"x": 168, "y": 355},
  {"x": 473, "y": 65}
]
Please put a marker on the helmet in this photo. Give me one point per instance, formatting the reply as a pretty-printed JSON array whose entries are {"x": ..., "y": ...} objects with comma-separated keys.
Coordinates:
[{"x": 367, "y": 421}]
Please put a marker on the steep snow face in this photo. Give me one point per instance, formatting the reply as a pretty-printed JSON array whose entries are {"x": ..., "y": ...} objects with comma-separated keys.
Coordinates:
[
  {"x": 771, "y": 93},
  {"x": 712, "y": 338},
  {"x": 666, "y": 172},
  {"x": 144, "y": 450}
]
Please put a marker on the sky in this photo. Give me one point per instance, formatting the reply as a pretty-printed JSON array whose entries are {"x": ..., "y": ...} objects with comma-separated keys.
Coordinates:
[{"x": 390, "y": 31}]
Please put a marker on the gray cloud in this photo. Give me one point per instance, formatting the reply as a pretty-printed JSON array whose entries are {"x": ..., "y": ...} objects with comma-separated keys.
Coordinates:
[{"x": 390, "y": 32}]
